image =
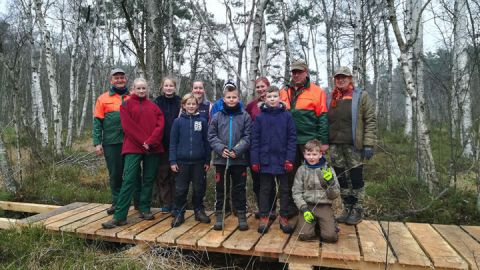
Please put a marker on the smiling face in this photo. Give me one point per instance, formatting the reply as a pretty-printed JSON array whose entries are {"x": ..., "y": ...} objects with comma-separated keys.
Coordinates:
[
  {"x": 312, "y": 156},
  {"x": 299, "y": 77},
  {"x": 190, "y": 105},
  {"x": 272, "y": 99},
  {"x": 342, "y": 82},
  {"x": 231, "y": 98},
  {"x": 168, "y": 88},
  {"x": 260, "y": 88},
  {"x": 198, "y": 90},
  {"x": 118, "y": 80},
  {"x": 140, "y": 89}
]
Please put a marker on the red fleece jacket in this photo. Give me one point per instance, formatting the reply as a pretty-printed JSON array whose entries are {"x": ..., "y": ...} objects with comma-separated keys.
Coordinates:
[{"x": 142, "y": 122}]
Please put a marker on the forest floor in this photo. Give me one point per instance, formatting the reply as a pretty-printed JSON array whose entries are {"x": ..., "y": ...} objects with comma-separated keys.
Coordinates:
[{"x": 393, "y": 193}]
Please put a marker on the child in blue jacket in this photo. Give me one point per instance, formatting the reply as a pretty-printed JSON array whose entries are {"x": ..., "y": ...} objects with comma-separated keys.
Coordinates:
[
  {"x": 272, "y": 154},
  {"x": 190, "y": 155}
]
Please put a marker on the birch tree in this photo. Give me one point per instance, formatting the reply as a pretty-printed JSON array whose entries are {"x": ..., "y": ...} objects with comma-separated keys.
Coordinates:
[
  {"x": 426, "y": 166},
  {"x": 9, "y": 181},
  {"x": 389, "y": 74},
  {"x": 359, "y": 45},
  {"x": 255, "y": 50},
  {"x": 56, "y": 107}
]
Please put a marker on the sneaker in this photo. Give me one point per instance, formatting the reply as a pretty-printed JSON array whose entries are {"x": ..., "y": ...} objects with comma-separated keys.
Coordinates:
[
  {"x": 146, "y": 216},
  {"x": 201, "y": 216},
  {"x": 113, "y": 223},
  {"x": 263, "y": 225},
  {"x": 111, "y": 210},
  {"x": 285, "y": 226},
  {"x": 242, "y": 220},
  {"x": 178, "y": 220},
  {"x": 355, "y": 217},
  {"x": 218, "y": 226}
]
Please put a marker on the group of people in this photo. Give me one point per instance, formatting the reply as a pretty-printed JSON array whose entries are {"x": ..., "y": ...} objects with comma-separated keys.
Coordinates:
[{"x": 283, "y": 136}]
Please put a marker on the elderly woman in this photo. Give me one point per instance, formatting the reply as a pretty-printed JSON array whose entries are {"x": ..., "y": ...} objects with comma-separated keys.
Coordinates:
[
  {"x": 143, "y": 124},
  {"x": 352, "y": 136}
]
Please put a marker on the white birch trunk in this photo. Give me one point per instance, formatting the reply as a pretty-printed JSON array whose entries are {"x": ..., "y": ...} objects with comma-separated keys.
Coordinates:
[
  {"x": 461, "y": 80},
  {"x": 255, "y": 51},
  {"x": 389, "y": 70},
  {"x": 72, "y": 86},
  {"x": 57, "y": 115},
  {"x": 286, "y": 42},
  {"x": 38, "y": 109},
  {"x": 357, "y": 50},
  {"x": 170, "y": 37},
  {"x": 263, "y": 64},
  {"x": 108, "y": 31}
]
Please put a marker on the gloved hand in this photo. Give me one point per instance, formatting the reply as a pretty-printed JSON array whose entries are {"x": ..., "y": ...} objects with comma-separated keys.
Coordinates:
[
  {"x": 328, "y": 176},
  {"x": 256, "y": 168},
  {"x": 307, "y": 214},
  {"x": 288, "y": 166},
  {"x": 367, "y": 152}
]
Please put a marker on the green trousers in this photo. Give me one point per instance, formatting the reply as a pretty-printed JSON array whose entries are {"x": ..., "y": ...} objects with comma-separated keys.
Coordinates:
[
  {"x": 114, "y": 160},
  {"x": 131, "y": 180}
]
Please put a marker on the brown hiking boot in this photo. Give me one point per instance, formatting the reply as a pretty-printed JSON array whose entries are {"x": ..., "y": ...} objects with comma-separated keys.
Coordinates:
[
  {"x": 345, "y": 214},
  {"x": 263, "y": 225},
  {"x": 355, "y": 217}
]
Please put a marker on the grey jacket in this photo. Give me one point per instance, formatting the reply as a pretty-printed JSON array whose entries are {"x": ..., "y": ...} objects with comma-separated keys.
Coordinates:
[
  {"x": 237, "y": 125},
  {"x": 309, "y": 186}
]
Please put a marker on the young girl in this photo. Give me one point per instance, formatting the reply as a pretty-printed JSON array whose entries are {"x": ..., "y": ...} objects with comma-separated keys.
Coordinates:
[
  {"x": 204, "y": 106},
  {"x": 169, "y": 103},
  {"x": 142, "y": 123},
  {"x": 190, "y": 155}
]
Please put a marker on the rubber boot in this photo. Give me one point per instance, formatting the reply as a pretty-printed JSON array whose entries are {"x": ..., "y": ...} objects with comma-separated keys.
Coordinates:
[
  {"x": 355, "y": 216},
  {"x": 218, "y": 226},
  {"x": 242, "y": 220},
  {"x": 347, "y": 208}
]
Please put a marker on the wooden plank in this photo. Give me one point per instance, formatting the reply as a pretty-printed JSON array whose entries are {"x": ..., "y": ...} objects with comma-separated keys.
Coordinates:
[
  {"x": 273, "y": 241},
  {"x": 83, "y": 222},
  {"x": 43, "y": 216},
  {"x": 171, "y": 235},
  {"x": 407, "y": 250},
  {"x": 132, "y": 219},
  {"x": 214, "y": 239},
  {"x": 191, "y": 237},
  {"x": 373, "y": 243},
  {"x": 300, "y": 266},
  {"x": 55, "y": 226},
  {"x": 151, "y": 234},
  {"x": 439, "y": 251},
  {"x": 463, "y": 243},
  {"x": 27, "y": 207},
  {"x": 70, "y": 213},
  {"x": 8, "y": 223},
  {"x": 295, "y": 247},
  {"x": 347, "y": 247},
  {"x": 91, "y": 228},
  {"x": 130, "y": 232},
  {"x": 244, "y": 240},
  {"x": 474, "y": 231}
]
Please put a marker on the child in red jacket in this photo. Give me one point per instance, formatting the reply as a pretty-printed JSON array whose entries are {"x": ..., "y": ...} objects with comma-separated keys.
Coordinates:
[{"x": 142, "y": 123}]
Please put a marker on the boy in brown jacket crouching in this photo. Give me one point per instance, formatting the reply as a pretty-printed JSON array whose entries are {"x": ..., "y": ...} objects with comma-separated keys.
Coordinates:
[{"x": 314, "y": 189}]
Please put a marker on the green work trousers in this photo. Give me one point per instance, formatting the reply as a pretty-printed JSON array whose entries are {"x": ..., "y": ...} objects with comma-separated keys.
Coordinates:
[
  {"x": 131, "y": 180},
  {"x": 114, "y": 160}
]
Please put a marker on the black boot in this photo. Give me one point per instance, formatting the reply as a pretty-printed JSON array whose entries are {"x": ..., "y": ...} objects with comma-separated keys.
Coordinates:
[
  {"x": 201, "y": 216},
  {"x": 111, "y": 210},
  {"x": 355, "y": 216},
  {"x": 347, "y": 208},
  {"x": 218, "y": 226},
  {"x": 242, "y": 220},
  {"x": 178, "y": 220}
]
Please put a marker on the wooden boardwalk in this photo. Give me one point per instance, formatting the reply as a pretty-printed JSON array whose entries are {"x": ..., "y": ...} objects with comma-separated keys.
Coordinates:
[{"x": 369, "y": 245}]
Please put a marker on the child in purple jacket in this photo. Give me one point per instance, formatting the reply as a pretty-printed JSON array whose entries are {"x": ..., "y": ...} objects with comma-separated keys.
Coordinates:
[{"x": 272, "y": 154}]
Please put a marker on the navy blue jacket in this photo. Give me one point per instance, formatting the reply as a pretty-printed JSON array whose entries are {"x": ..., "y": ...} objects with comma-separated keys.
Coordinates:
[
  {"x": 170, "y": 108},
  {"x": 189, "y": 141},
  {"x": 274, "y": 139}
]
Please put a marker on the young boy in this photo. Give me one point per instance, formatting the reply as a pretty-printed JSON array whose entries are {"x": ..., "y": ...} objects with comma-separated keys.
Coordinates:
[
  {"x": 315, "y": 187},
  {"x": 272, "y": 155},
  {"x": 229, "y": 137}
]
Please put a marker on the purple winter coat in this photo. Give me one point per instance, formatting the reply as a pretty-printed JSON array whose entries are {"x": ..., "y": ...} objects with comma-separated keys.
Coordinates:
[{"x": 273, "y": 139}]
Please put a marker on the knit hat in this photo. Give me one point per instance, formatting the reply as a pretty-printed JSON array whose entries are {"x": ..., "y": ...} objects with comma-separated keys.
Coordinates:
[
  {"x": 343, "y": 71},
  {"x": 229, "y": 84},
  {"x": 298, "y": 65}
]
